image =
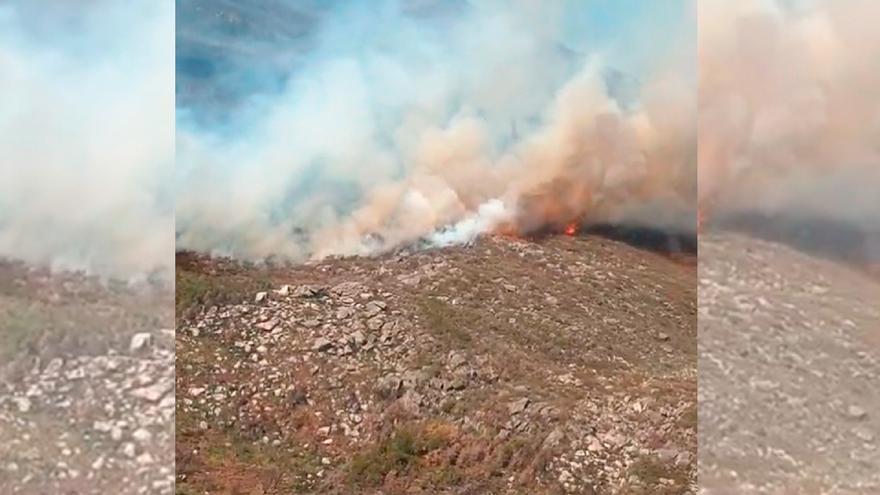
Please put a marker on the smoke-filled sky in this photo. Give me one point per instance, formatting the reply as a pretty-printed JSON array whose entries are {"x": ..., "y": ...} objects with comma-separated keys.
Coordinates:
[
  {"x": 308, "y": 128},
  {"x": 311, "y": 127},
  {"x": 790, "y": 107},
  {"x": 87, "y": 135}
]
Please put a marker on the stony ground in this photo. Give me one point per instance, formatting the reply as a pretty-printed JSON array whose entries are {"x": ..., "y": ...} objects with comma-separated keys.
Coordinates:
[
  {"x": 86, "y": 385},
  {"x": 565, "y": 365},
  {"x": 789, "y": 370}
]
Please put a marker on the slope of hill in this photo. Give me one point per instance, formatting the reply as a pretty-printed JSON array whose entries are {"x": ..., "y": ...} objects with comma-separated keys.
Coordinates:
[
  {"x": 86, "y": 385},
  {"x": 565, "y": 365},
  {"x": 789, "y": 364}
]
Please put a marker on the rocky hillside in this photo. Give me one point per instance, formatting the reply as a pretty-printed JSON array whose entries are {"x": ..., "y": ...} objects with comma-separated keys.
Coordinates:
[
  {"x": 789, "y": 366},
  {"x": 561, "y": 365},
  {"x": 86, "y": 385}
]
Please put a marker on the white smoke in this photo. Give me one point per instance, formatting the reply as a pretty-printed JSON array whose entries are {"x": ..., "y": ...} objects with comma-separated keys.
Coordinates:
[
  {"x": 489, "y": 216},
  {"x": 86, "y": 135},
  {"x": 399, "y": 127}
]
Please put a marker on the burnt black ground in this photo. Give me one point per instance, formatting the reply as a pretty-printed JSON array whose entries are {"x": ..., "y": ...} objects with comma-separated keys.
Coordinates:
[{"x": 825, "y": 237}]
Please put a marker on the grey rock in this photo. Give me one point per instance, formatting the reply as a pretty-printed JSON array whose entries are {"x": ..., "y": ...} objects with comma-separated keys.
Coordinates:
[
  {"x": 373, "y": 308},
  {"x": 375, "y": 323},
  {"x": 267, "y": 325},
  {"x": 518, "y": 405},
  {"x": 553, "y": 438},
  {"x": 456, "y": 360},
  {"x": 140, "y": 342},
  {"x": 358, "y": 338},
  {"x": 297, "y": 397},
  {"x": 344, "y": 312},
  {"x": 414, "y": 379},
  {"x": 23, "y": 404},
  {"x": 142, "y": 436},
  {"x": 457, "y": 383},
  {"x": 128, "y": 449},
  {"x": 305, "y": 291},
  {"x": 864, "y": 434},
  {"x": 152, "y": 393},
  {"x": 321, "y": 344},
  {"x": 412, "y": 401},
  {"x": 389, "y": 387},
  {"x": 856, "y": 413}
]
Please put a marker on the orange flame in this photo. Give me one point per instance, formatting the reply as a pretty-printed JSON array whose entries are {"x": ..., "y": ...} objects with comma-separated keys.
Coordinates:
[{"x": 571, "y": 229}]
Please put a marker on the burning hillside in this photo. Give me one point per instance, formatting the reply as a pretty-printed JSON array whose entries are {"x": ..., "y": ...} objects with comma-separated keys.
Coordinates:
[
  {"x": 558, "y": 364},
  {"x": 447, "y": 123}
]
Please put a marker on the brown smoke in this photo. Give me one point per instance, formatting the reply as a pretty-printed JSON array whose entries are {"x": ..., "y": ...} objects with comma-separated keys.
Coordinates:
[
  {"x": 538, "y": 141},
  {"x": 588, "y": 164}
]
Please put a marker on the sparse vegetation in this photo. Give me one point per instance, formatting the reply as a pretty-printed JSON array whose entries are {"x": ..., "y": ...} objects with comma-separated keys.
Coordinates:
[
  {"x": 652, "y": 471},
  {"x": 195, "y": 289},
  {"x": 397, "y": 453},
  {"x": 248, "y": 465},
  {"x": 190, "y": 289},
  {"x": 18, "y": 330},
  {"x": 447, "y": 321}
]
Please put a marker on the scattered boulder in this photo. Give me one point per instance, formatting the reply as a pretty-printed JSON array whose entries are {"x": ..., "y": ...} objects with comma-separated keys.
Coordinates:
[
  {"x": 321, "y": 344},
  {"x": 518, "y": 405},
  {"x": 456, "y": 360},
  {"x": 267, "y": 325},
  {"x": 305, "y": 291},
  {"x": 856, "y": 413},
  {"x": 23, "y": 404},
  {"x": 388, "y": 387},
  {"x": 140, "y": 342},
  {"x": 153, "y": 392},
  {"x": 358, "y": 338}
]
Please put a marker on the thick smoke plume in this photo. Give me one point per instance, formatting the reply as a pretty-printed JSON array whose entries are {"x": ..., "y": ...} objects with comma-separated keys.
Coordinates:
[
  {"x": 789, "y": 106},
  {"x": 405, "y": 121},
  {"x": 86, "y": 135}
]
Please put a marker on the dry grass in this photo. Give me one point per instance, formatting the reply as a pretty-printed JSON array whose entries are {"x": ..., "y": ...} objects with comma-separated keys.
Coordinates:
[
  {"x": 194, "y": 289},
  {"x": 398, "y": 453}
]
